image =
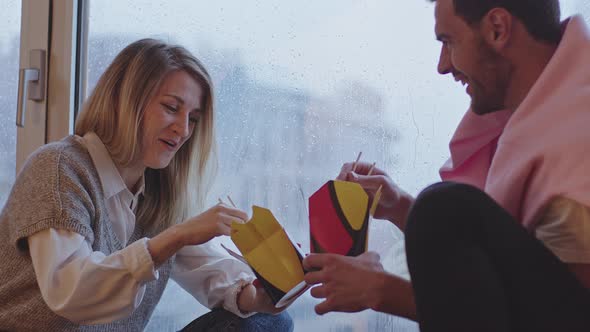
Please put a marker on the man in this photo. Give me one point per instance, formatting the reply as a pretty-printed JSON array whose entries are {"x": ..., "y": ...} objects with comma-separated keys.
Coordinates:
[{"x": 506, "y": 246}]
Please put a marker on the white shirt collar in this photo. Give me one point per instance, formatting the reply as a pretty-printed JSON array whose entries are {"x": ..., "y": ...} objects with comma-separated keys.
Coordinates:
[{"x": 110, "y": 178}]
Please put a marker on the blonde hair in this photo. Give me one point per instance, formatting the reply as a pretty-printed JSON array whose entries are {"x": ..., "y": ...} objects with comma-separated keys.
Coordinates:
[{"x": 115, "y": 109}]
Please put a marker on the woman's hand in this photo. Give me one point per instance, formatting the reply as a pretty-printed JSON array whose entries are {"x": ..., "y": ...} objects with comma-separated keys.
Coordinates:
[
  {"x": 253, "y": 299},
  {"x": 394, "y": 204},
  {"x": 212, "y": 223},
  {"x": 197, "y": 230}
]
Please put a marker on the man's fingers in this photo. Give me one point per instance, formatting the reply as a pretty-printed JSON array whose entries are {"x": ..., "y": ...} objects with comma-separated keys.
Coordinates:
[
  {"x": 323, "y": 307},
  {"x": 346, "y": 168},
  {"x": 370, "y": 256},
  {"x": 319, "y": 292},
  {"x": 364, "y": 167},
  {"x": 361, "y": 168},
  {"x": 313, "y": 278},
  {"x": 316, "y": 261},
  {"x": 371, "y": 182}
]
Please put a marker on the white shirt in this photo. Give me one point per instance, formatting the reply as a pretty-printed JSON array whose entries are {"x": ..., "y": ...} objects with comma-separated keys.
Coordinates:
[{"x": 90, "y": 288}]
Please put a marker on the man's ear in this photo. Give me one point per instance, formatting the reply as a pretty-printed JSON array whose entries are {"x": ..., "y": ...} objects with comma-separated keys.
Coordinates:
[{"x": 496, "y": 28}]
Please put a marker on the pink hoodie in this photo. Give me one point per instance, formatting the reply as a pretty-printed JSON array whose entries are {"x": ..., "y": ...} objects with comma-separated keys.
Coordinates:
[{"x": 543, "y": 150}]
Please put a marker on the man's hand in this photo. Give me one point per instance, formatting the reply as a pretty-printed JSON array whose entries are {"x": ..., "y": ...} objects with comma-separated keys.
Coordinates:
[
  {"x": 349, "y": 284},
  {"x": 394, "y": 204},
  {"x": 253, "y": 299}
]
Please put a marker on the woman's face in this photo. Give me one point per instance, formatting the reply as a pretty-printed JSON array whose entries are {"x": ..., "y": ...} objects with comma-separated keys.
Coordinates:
[{"x": 170, "y": 118}]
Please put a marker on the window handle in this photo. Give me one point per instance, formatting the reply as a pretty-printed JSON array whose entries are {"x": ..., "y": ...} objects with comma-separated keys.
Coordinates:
[{"x": 31, "y": 84}]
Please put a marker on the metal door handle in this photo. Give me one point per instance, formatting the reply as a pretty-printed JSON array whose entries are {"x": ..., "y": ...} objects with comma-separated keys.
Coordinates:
[{"x": 31, "y": 84}]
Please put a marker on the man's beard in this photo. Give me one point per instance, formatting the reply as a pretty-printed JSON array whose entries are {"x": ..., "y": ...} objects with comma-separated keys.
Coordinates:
[{"x": 489, "y": 92}]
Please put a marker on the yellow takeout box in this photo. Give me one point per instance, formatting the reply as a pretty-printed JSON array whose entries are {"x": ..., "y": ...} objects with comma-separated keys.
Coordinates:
[{"x": 271, "y": 254}]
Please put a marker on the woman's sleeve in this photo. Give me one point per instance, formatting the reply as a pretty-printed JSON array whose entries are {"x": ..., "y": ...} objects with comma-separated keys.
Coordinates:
[
  {"x": 212, "y": 277},
  {"x": 88, "y": 287}
]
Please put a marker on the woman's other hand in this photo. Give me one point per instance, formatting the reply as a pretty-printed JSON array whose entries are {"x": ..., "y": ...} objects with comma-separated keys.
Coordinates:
[
  {"x": 197, "y": 230},
  {"x": 212, "y": 223},
  {"x": 255, "y": 299}
]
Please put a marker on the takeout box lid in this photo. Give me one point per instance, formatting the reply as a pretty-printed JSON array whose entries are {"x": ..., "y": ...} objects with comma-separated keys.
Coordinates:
[
  {"x": 268, "y": 250},
  {"x": 338, "y": 217}
]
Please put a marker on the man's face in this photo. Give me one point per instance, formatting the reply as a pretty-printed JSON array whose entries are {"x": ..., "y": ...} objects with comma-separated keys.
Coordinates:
[{"x": 471, "y": 60}]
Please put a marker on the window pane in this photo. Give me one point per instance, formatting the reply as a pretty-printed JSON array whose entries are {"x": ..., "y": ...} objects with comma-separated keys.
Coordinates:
[
  {"x": 571, "y": 7},
  {"x": 302, "y": 87},
  {"x": 9, "y": 56}
]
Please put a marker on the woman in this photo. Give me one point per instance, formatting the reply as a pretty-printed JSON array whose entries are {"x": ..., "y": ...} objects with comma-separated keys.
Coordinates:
[{"x": 97, "y": 223}]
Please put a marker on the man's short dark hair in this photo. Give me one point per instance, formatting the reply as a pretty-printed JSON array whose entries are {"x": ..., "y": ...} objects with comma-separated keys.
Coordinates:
[{"x": 540, "y": 17}]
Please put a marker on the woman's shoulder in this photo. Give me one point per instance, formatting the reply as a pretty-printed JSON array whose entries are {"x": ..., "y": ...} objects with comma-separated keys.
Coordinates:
[
  {"x": 61, "y": 170},
  {"x": 69, "y": 145},
  {"x": 65, "y": 162},
  {"x": 67, "y": 152}
]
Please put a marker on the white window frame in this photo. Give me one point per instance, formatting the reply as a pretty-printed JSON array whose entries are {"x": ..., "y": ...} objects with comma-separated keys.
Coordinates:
[
  {"x": 34, "y": 35},
  {"x": 64, "y": 64},
  {"x": 52, "y": 26}
]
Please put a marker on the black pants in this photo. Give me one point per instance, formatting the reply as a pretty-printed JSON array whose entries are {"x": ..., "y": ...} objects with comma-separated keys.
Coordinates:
[{"x": 474, "y": 268}]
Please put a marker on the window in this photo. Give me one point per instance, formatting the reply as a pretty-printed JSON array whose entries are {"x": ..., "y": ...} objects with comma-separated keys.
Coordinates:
[
  {"x": 18, "y": 41},
  {"x": 9, "y": 56},
  {"x": 302, "y": 87}
]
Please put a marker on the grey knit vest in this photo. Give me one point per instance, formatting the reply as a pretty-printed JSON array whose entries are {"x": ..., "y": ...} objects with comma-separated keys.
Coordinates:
[{"x": 59, "y": 188}]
